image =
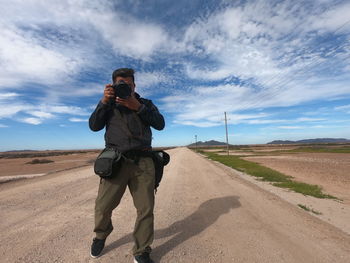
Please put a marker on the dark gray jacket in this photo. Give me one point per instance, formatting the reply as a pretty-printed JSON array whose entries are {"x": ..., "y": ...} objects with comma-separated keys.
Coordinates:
[{"x": 127, "y": 129}]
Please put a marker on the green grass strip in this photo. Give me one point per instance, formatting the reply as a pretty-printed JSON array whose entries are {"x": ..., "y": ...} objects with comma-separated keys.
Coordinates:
[
  {"x": 267, "y": 174},
  {"x": 303, "y": 188},
  {"x": 264, "y": 173}
]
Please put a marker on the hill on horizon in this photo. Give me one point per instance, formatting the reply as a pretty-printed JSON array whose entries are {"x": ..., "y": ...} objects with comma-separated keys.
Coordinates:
[
  {"x": 304, "y": 141},
  {"x": 207, "y": 143},
  {"x": 317, "y": 140}
]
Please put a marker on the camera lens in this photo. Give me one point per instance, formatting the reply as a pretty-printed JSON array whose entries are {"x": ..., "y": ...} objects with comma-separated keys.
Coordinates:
[{"x": 122, "y": 89}]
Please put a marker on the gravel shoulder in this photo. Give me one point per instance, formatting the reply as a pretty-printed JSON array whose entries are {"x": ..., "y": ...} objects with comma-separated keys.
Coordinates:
[{"x": 204, "y": 213}]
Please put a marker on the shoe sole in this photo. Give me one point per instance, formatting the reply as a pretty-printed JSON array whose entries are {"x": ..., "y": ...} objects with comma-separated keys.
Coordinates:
[
  {"x": 96, "y": 256},
  {"x": 135, "y": 261}
]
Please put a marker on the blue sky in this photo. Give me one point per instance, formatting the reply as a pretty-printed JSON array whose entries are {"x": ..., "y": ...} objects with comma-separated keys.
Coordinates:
[{"x": 280, "y": 69}]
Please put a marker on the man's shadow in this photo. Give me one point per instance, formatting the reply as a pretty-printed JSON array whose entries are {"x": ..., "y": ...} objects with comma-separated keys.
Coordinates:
[{"x": 182, "y": 230}]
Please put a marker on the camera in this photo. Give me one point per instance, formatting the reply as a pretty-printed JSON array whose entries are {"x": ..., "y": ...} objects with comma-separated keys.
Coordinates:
[{"x": 122, "y": 89}]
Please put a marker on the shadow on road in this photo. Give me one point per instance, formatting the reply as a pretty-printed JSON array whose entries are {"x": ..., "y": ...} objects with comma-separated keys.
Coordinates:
[{"x": 182, "y": 230}]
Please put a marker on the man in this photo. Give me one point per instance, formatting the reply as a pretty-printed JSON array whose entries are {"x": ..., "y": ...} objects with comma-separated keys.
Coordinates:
[{"x": 127, "y": 121}]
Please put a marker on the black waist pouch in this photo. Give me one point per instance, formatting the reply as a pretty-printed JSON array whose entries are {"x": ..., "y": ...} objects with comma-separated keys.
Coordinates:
[
  {"x": 160, "y": 159},
  {"x": 108, "y": 162}
]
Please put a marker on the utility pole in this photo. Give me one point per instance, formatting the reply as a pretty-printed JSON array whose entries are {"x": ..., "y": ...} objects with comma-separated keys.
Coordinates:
[
  {"x": 228, "y": 153},
  {"x": 195, "y": 138}
]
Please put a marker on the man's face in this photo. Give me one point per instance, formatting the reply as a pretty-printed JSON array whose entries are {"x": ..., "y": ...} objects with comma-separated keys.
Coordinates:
[{"x": 127, "y": 80}]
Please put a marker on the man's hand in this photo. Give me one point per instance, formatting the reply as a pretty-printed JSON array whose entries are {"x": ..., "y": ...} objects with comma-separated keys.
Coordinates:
[
  {"x": 108, "y": 94},
  {"x": 131, "y": 102}
]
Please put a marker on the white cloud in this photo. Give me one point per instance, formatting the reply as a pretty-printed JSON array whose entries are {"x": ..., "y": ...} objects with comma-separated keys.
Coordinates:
[
  {"x": 10, "y": 110},
  {"x": 305, "y": 119},
  {"x": 3, "y": 126},
  {"x": 290, "y": 127},
  {"x": 264, "y": 121},
  {"x": 336, "y": 18},
  {"x": 343, "y": 107},
  {"x": 64, "y": 109},
  {"x": 8, "y": 95},
  {"x": 266, "y": 46},
  {"x": 204, "y": 105},
  {"x": 237, "y": 40},
  {"x": 36, "y": 45},
  {"x": 78, "y": 120},
  {"x": 206, "y": 101},
  {"x": 141, "y": 41},
  {"x": 41, "y": 114},
  {"x": 38, "y": 115},
  {"x": 22, "y": 59},
  {"x": 269, "y": 48},
  {"x": 84, "y": 90},
  {"x": 146, "y": 82},
  {"x": 50, "y": 43},
  {"x": 322, "y": 126},
  {"x": 203, "y": 124},
  {"x": 34, "y": 121},
  {"x": 146, "y": 79}
]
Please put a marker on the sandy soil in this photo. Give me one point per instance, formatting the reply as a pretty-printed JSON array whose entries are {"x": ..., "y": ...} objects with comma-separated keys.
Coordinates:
[
  {"x": 204, "y": 213},
  {"x": 329, "y": 170},
  {"x": 19, "y": 166},
  {"x": 273, "y": 148},
  {"x": 224, "y": 152}
]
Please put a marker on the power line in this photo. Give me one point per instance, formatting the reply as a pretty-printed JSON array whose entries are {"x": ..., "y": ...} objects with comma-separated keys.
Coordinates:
[{"x": 313, "y": 62}]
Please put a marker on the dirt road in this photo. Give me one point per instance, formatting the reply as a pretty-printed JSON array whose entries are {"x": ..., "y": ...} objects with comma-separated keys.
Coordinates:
[{"x": 203, "y": 214}]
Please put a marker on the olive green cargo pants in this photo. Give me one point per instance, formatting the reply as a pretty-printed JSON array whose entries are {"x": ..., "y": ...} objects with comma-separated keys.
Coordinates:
[{"x": 140, "y": 180}]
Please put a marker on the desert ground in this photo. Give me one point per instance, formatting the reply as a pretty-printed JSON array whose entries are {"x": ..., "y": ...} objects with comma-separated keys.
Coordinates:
[
  {"x": 204, "y": 213},
  {"x": 329, "y": 170},
  {"x": 16, "y": 165}
]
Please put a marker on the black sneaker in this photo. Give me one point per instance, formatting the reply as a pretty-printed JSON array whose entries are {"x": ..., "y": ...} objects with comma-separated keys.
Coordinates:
[
  {"x": 143, "y": 258},
  {"x": 97, "y": 247}
]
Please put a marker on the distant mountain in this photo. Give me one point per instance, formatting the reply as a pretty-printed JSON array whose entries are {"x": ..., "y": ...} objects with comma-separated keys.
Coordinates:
[
  {"x": 207, "y": 143},
  {"x": 318, "y": 140}
]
